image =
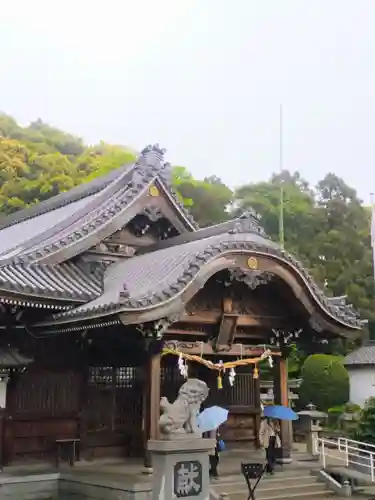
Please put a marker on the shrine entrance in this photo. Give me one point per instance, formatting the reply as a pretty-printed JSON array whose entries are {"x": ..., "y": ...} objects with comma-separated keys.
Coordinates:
[{"x": 241, "y": 399}]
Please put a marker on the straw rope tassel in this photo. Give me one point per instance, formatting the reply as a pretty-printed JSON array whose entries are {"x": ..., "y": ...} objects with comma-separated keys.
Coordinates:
[{"x": 219, "y": 381}]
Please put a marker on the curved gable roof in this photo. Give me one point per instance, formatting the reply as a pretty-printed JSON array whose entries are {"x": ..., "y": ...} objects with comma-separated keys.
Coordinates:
[{"x": 146, "y": 281}]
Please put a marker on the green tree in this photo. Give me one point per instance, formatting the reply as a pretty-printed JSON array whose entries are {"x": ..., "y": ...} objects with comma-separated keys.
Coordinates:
[
  {"x": 325, "y": 382},
  {"x": 101, "y": 159},
  {"x": 342, "y": 253},
  {"x": 365, "y": 428},
  {"x": 207, "y": 200},
  {"x": 300, "y": 224},
  {"x": 13, "y": 168}
]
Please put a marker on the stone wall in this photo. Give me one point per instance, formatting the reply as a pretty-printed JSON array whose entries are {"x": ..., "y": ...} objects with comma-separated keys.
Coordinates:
[
  {"x": 37, "y": 487},
  {"x": 58, "y": 487}
]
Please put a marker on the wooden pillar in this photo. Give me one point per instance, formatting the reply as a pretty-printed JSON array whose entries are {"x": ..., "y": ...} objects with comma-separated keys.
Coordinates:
[
  {"x": 257, "y": 404},
  {"x": 2, "y": 437},
  {"x": 83, "y": 410},
  {"x": 280, "y": 391},
  {"x": 151, "y": 403}
]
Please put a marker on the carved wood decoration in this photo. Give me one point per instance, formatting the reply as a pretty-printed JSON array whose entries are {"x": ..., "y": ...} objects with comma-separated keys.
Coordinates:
[
  {"x": 206, "y": 349},
  {"x": 233, "y": 305},
  {"x": 153, "y": 223},
  {"x": 316, "y": 323}
]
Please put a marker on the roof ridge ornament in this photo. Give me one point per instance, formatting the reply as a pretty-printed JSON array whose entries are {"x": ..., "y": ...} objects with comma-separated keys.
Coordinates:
[
  {"x": 248, "y": 222},
  {"x": 152, "y": 156}
]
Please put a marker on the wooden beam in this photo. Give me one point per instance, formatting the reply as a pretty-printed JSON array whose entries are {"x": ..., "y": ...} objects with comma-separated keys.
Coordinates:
[
  {"x": 227, "y": 329},
  {"x": 195, "y": 333},
  {"x": 228, "y": 324},
  {"x": 209, "y": 318},
  {"x": 206, "y": 349},
  {"x": 180, "y": 331}
]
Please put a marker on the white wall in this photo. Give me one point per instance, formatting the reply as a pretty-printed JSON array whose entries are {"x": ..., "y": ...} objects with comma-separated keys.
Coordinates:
[{"x": 362, "y": 384}]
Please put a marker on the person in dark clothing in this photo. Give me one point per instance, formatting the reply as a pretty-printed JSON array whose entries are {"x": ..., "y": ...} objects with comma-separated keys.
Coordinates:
[
  {"x": 271, "y": 455},
  {"x": 269, "y": 438},
  {"x": 214, "y": 455}
]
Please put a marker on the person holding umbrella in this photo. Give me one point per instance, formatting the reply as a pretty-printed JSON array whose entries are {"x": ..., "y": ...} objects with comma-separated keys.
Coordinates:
[
  {"x": 209, "y": 422},
  {"x": 269, "y": 434},
  {"x": 269, "y": 438}
]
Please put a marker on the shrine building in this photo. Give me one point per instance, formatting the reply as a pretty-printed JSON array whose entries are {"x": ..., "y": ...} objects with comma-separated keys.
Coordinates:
[{"x": 110, "y": 295}]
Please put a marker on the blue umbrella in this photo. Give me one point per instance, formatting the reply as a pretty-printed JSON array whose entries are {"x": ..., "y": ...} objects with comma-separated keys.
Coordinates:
[
  {"x": 211, "y": 418},
  {"x": 280, "y": 413}
]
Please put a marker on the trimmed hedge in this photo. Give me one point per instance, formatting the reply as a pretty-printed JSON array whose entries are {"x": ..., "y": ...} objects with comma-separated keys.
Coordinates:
[{"x": 325, "y": 382}]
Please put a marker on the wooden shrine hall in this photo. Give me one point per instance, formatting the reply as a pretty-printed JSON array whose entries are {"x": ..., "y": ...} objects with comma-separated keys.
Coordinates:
[{"x": 110, "y": 293}]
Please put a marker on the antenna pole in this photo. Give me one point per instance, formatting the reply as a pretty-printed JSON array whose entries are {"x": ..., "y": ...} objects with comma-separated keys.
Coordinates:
[{"x": 281, "y": 207}]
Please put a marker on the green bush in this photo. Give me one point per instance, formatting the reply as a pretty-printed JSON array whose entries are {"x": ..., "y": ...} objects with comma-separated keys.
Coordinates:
[
  {"x": 346, "y": 408},
  {"x": 336, "y": 415},
  {"x": 325, "y": 382},
  {"x": 352, "y": 408},
  {"x": 365, "y": 429}
]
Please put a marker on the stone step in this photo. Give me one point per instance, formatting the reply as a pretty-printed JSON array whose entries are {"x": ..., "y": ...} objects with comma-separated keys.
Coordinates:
[
  {"x": 278, "y": 481},
  {"x": 313, "y": 495},
  {"x": 268, "y": 491}
]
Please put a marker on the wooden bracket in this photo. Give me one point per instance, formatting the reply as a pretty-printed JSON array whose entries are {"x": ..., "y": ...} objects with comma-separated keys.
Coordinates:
[
  {"x": 228, "y": 324},
  {"x": 227, "y": 329}
]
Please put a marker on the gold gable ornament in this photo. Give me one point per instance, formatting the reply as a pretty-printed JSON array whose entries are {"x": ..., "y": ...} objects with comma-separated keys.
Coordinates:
[
  {"x": 252, "y": 263},
  {"x": 153, "y": 191}
]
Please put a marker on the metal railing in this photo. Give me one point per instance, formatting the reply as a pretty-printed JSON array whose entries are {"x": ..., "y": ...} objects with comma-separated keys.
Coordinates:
[{"x": 355, "y": 455}]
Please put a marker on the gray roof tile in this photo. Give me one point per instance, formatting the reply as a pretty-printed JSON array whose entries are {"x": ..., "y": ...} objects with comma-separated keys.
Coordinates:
[
  {"x": 66, "y": 281},
  {"x": 365, "y": 355}
]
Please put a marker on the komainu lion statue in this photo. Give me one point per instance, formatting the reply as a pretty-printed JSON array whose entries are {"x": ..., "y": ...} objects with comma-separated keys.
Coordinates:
[{"x": 179, "y": 418}]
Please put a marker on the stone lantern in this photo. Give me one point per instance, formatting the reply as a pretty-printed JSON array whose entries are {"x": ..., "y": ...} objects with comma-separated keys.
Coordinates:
[{"x": 310, "y": 421}]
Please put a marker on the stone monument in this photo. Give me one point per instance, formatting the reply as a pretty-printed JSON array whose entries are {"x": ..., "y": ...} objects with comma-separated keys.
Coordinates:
[{"x": 180, "y": 456}]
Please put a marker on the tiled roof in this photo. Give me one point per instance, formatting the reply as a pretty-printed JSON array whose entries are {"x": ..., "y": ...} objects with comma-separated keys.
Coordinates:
[
  {"x": 365, "y": 355},
  {"x": 79, "y": 229},
  {"x": 60, "y": 281},
  {"x": 151, "y": 279}
]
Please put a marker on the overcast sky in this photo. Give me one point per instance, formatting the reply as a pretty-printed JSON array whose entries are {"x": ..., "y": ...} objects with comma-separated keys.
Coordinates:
[{"x": 204, "y": 78}]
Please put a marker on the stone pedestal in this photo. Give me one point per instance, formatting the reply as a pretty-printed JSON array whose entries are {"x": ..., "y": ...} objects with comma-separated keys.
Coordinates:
[
  {"x": 180, "y": 468},
  {"x": 311, "y": 422}
]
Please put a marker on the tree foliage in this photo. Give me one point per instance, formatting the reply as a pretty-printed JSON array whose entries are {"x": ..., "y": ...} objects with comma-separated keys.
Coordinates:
[
  {"x": 207, "y": 200},
  {"x": 365, "y": 428},
  {"x": 327, "y": 227},
  {"x": 325, "y": 382}
]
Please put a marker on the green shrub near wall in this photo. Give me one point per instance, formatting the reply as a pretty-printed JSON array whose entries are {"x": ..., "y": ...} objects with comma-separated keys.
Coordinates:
[
  {"x": 325, "y": 382},
  {"x": 365, "y": 429}
]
